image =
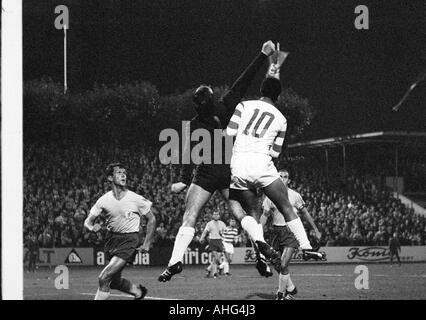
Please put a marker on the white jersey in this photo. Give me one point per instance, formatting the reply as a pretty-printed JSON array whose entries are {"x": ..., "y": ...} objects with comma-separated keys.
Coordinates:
[
  {"x": 123, "y": 216},
  {"x": 259, "y": 125},
  {"x": 296, "y": 201},
  {"x": 215, "y": 229}
]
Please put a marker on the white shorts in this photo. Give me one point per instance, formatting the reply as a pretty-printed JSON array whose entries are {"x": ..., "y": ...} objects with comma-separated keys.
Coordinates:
[
  {"x": 229, "y": 247},
  {"x": 252, "y": 170}
]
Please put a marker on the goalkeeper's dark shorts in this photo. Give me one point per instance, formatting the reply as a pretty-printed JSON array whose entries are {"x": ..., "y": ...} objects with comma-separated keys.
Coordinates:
[
  {"x": 122, "y": 245},
  {"x": 213, "y": 177}
]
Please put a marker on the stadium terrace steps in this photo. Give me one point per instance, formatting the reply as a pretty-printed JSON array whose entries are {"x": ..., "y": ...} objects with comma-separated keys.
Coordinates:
[{"x": 409, "y": 202}]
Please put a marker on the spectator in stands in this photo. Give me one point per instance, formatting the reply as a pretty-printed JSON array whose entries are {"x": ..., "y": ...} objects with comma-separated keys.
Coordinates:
[
  {"x": 45, "y": 239},
  {"x": 66, "y": 238}
]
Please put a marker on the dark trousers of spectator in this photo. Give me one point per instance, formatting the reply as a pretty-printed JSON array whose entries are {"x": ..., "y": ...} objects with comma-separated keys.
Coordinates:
[
  {"x": 394, "y": 253},
  {"x": 32, "y": 262}
]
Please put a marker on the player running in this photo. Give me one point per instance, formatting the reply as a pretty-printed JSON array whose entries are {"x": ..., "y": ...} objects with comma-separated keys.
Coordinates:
[
  {"x": 260, "y": 128},
  {"x": 210, "y": 177},
  {"x": 214, "y": 230},
  {"x": 122, "y": 209},
  {"x": 282, "y": 238}
]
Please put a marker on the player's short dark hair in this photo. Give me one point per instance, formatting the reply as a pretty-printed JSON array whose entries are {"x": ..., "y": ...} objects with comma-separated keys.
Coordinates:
[
  {"x": 110, "y": 168},
  {"x": 203, "y": 98},
  {"x": 271, "y": 88}
]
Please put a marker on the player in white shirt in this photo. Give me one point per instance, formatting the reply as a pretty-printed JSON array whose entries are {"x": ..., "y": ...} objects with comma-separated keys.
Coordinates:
[
  {"x": 122, "y": 209},
  {"x": 283, "y": 239},
  {"x": 214, "y": 230},
  {"x": 259, "y": 128}
]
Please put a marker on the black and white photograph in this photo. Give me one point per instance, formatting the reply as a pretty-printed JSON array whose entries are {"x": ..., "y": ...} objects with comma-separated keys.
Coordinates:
[{"x": 213, "y": 151}]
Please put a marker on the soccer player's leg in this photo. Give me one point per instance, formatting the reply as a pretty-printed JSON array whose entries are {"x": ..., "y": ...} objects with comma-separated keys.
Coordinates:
[
  {"x": 124, "y": 285},
  {"x": 196, "y": 199},
  {"x": 115, "y": 266},
  {"x": 222, "y": 263},
  {"x": 248, "y": 216},
  {"x": 241, "y": 200},
  {"x": 277, "y": 192},
  {"x": 397, "y": 257},
  {"x": 226, "y": 263},
  {"x": 214, "y": 263},
  {"x": 208, "y": 270},
  {"x": 250, "y": 225},
  {"x": 284, "y": 274}
]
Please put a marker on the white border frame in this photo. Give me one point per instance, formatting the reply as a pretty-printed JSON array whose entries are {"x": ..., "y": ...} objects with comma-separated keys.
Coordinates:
[{"x": 12, "y": 151}]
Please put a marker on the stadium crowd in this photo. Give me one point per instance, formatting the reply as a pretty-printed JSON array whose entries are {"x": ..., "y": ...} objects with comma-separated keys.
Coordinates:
[{"x": 61, "y": 183}]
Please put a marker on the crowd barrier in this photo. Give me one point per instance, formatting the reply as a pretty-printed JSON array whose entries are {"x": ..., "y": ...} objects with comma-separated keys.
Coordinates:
[{"x": 242, "y": 255}]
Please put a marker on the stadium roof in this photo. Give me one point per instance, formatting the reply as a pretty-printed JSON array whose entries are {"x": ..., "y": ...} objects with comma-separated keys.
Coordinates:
[{"x": 394, "y": 137}]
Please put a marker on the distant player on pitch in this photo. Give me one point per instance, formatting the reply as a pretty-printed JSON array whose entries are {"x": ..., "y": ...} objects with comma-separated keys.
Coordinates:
[
  {"x": 122, "y": 209},
  {"x": 283, "y": 239},
  {"x": 229, "y": 238},
  {"x": 214, "y": 230}
]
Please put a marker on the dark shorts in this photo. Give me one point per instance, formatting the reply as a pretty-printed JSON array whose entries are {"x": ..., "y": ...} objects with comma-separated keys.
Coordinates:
[
  {"x": 216, "y": 245},
  {"x": 282, "y": 238},
  {"x": 122, "y": 245},
  {"x": 212, "y": 177}
]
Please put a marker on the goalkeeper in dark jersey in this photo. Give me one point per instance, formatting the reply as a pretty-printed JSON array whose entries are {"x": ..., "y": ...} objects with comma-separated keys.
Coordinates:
[{"x": 209, "y": 177}]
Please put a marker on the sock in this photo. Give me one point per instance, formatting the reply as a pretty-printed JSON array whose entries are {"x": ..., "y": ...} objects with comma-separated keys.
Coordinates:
[
  {"x": 222, "y": 265},
  {"x": 101, "y": 295},
  {"x": 296, "y": 226},
  {"x": 290, "y": 284},
  {"x": 282, "y": 282},
  {"x": 226, "y": 267},
  {"x": 214, "y": 268},
  {"x": 182, "y": 241},
  {"x": 209, "y": 268},
  {"x": 259, "y": 226},
  {"x": 249, "y": 224},
  {"x": 126, "y": 286}
]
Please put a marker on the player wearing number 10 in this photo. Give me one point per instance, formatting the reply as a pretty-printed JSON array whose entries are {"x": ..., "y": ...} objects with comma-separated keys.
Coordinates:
[
  {"x": 122, "y": 209},
  {"x": 210, "y": 177},
  {"x": 260, "y": 128}
]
